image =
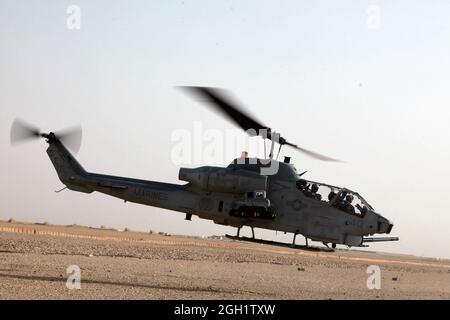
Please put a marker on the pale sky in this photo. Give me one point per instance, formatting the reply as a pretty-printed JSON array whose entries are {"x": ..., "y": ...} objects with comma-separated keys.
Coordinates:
[{"x": 362, "y": 81}]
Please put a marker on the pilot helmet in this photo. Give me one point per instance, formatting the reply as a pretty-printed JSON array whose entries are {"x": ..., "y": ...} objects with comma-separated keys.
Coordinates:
[
  {"x": 331, "y": 195},
  {"x": 314, "y": 188},
  {"x": 349, "y": 198},
  {"x": 301, "y": 183}
]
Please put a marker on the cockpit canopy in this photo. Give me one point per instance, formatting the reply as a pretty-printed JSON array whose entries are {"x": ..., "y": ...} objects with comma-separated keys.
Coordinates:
[{"x": 340, "y": 198}]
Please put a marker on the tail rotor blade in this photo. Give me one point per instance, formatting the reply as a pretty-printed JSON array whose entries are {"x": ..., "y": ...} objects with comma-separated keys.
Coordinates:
[
  {"x": 71, "y": 137},
  {"x": 22, "y": 131}
]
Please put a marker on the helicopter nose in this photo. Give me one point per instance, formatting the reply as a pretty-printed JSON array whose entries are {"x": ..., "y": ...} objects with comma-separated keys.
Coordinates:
[{"x": 384, "y": 225}]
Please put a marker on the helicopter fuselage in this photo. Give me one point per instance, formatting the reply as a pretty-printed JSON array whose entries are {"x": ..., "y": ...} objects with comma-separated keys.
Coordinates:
[{"x": 237, "y": 196}]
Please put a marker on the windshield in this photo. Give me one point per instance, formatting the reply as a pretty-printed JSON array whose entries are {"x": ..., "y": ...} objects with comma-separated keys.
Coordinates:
[{"x": 337, "y": 197}]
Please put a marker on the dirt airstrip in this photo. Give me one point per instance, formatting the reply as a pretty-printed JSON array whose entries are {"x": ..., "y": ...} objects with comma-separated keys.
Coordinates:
[{"x": 35, "y": 261}]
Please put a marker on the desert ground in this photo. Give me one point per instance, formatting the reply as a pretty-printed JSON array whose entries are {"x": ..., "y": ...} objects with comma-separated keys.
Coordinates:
[{"x": 34, "y": 261}]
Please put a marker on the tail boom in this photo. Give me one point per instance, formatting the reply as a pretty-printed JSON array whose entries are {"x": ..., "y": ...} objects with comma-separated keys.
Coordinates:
[{"x": 152, "y": 193}]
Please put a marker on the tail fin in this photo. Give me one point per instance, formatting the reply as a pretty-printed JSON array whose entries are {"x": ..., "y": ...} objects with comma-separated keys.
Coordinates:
[{"x": 69, "y": 171}]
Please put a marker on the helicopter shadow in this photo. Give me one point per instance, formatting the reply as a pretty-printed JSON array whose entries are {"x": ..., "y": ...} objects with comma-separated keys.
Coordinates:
[{"x": 56, "y": 279}]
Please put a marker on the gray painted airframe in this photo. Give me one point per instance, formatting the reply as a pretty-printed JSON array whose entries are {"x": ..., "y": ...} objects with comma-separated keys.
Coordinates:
[
  {"x": 269, "y": 202},
  {"x": 249, "y": 192}
]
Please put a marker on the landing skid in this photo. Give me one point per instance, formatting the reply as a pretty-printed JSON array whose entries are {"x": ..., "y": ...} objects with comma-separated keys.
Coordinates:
[
  {"x": 279, "y": 244},
  {"x": 333, "y": 246}
]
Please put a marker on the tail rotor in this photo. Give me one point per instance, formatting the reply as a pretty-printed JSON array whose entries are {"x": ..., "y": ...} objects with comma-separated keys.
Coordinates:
[{"x": 22, "y": 131}]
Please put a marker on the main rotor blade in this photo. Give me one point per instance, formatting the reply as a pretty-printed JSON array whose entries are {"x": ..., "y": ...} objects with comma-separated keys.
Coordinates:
[
  {"x": 217, "y": 99},
  {"x": 312, "y": 154},
  {"x": 70, "y": 137},
  {"x": 23, "y": 131}
]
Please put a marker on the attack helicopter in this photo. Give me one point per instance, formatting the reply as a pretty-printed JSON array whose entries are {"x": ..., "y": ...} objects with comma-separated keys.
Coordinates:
[{"x": 256, "y": 192}]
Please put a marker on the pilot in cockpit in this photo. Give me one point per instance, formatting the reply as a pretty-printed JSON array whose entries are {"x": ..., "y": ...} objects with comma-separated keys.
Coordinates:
[
  {"x": 331, "y": 196},
  {"x": 301, "y": 184},
  {"x": 314, "y": 192},
  {"x": 344, "y": 202},
  {"x": 348, "y": 207}
]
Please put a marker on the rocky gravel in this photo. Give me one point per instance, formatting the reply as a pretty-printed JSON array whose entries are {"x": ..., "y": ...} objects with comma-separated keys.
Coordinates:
[{"x": 34, "y": 263}]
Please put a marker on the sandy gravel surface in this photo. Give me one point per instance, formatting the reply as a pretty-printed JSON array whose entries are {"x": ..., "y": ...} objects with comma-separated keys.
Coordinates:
[{"x": 128, "y": 265}]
